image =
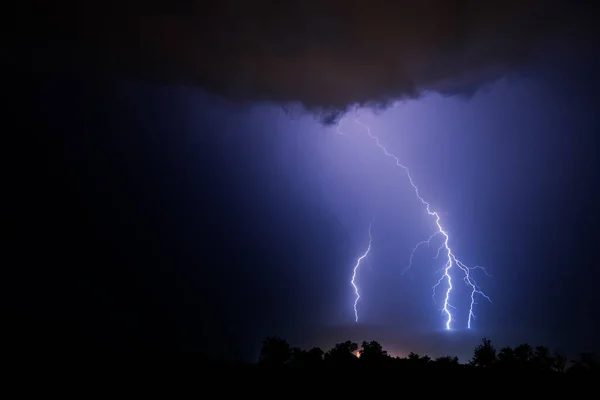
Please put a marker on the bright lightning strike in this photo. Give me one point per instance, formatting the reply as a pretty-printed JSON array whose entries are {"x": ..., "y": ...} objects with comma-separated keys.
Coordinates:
[
  {"x": 358, "y": 261},
  {"x": 451, "y": 260}
]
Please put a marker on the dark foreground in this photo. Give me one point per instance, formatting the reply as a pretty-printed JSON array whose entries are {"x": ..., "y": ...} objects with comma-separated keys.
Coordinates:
[{"x": 346, "y": 370}]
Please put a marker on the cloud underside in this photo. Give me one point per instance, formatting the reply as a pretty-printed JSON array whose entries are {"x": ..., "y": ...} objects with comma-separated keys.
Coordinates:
[{"x": 326, "y": 55}]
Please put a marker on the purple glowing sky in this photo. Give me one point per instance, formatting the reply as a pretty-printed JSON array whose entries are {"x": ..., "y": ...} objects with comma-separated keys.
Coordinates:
[
  {"x": 306, "y": 195},
  {"x": 475, "y": 160}
]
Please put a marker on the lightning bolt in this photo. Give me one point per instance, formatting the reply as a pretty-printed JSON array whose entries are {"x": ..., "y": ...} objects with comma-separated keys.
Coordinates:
[
  {"x": 355, "y": 270},
  {"x": 451, "y": 260}
]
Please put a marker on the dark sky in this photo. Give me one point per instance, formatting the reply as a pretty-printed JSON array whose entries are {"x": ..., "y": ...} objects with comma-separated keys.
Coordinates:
[{"x": 181, "y": 186}]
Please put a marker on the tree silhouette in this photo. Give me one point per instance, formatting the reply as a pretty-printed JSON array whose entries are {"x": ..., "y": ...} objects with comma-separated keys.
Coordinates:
[
  {"x": 506, "y": 358},
  {"x": 373, "y": 353},
  {"x": 417, "y": 361},
  {"x": 484, "y": 355},
  {"x": 275, "y": 352},
  {"x": 559, "y": 362},
  {"x": 446, "y": 361},
  {"x": 302, "y": 358},
  {"x": 523, "y": 355},
  {"x": 342, "y": 354},
  {"x": 587, "y": 362},
  {"x": 542, "y": 359},
  {"x": 524, "y": 360},
  {"x": 314, "y": 356},
  {"x": 425, "y": 360}
]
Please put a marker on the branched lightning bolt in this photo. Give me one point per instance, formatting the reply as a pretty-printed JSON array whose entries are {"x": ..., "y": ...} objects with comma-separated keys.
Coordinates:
[
  {"x": 451, "y": 259},
  {"x": 354, "y": 274},
  {"x": 412, "y": 254}
]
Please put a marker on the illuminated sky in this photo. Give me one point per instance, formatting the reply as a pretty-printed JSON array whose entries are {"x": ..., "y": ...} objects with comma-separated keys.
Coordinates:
[
  {"x": 196, "y": 212},
  {"x": 480, "y": 162}
]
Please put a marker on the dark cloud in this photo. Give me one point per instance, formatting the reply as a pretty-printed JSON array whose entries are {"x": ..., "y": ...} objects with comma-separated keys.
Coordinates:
[{"x": 325, "y": 54}]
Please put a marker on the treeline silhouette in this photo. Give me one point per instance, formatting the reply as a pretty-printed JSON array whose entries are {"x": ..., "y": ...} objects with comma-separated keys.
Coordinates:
[{"x": 523, "y": 359}]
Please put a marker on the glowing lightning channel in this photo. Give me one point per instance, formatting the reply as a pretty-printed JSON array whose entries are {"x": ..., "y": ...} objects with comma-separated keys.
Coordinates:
[
  {"x": 451, "y": 259},
  {"x": 427, "y": 242},
  {"x": 354, "y": 275}
]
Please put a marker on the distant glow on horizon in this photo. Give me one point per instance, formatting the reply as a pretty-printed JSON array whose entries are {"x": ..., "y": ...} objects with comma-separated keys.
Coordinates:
[{"x": 451, "y": 259}]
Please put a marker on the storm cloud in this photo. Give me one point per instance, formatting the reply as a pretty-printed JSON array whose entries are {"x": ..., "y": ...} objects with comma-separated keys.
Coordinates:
[{"x": 326, "y": 55}]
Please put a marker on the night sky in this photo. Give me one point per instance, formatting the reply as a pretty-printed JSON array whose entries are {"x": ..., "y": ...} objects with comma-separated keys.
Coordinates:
[{"x": 181, "y": 184}]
